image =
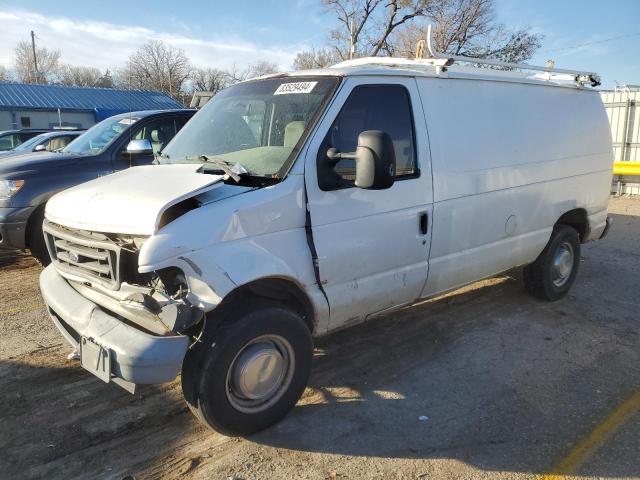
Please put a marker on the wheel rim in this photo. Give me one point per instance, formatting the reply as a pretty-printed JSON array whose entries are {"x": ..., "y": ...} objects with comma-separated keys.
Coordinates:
[
  {"x": 562, "y": 266},
  {"x": 260, "y": 373}
]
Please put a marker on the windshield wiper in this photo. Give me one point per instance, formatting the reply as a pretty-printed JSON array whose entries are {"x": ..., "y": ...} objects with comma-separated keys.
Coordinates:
[
  {"x": 159, "y": 155},
  {"x": 236, "y": 171}
]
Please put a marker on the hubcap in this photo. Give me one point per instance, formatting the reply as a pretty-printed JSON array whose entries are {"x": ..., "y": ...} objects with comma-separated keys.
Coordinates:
[
  {"x": 562, "y": 264},
  {"x": 258, "y": 371},
  {"x": 260, "y": 374}
]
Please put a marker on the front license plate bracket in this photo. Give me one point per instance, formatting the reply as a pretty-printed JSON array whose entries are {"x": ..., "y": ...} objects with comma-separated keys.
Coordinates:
[{"x": 96, "y": 359}]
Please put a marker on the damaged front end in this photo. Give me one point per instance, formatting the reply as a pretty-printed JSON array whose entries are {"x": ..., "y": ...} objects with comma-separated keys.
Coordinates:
[{"x": 103, "y": 268}]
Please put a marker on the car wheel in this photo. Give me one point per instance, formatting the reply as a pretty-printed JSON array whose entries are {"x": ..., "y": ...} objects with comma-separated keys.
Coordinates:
[
  {"x": 251, "y": 372},
  {"x": 552, "y": 274},
  {"x": 37, "y": 245}
]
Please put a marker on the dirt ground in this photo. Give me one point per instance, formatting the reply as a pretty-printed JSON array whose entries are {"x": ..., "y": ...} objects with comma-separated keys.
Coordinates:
[{"x": 485, "y": 382}]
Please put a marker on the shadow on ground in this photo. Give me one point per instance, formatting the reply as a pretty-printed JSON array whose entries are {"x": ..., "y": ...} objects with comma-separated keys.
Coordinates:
[
  {"x": 508, "y": 383},
  {"x": 10, "y": 258},
  {"x": 59, "y": 422}
]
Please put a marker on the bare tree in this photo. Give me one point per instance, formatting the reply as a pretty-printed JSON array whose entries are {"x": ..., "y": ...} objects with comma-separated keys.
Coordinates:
[
  {"x": 48, "y": 63},
  {"x": 106, "y": 80},
  {"x": 261, "y": 68},
  {"x": 468, "y": 28},
  {"x": 157, "y": 66},
  {"x": 251, "y": 71},
  {"x": 364, "y": 26},
  {"x": 76, "y": 76},
  {"x": 209, "y": 79},
  {"x": 4, "y": 76},
  {"x": 321, "y": 58},
  {"x": 393, "y": 27},
  {"x": 79, "y": 76}
]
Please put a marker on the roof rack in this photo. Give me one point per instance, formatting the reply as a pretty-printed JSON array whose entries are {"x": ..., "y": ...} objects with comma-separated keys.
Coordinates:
[
  {"x": 580, "y": 77},
  {"x": 442, "y": 61}
]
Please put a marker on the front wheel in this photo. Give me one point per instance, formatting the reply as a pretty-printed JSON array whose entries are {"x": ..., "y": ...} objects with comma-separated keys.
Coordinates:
[
  {"x": 251, "y": 373},
  {"x": 552, "y": 274},
  {"x": 36, "y": 242}
]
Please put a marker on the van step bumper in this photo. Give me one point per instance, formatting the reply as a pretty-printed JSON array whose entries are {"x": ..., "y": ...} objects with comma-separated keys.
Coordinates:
[{"x": 137, "y": 357}]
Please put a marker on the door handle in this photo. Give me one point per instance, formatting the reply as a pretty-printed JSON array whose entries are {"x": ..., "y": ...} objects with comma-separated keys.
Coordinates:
[{"x": 424, "y": 223}]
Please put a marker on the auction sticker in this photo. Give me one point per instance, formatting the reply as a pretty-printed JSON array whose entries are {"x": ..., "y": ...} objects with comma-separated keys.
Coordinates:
[{"x": 296, "y": 87}]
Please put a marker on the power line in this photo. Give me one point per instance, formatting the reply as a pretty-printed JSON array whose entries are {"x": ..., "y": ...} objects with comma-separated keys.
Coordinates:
[{"x": 595, "y": 42}]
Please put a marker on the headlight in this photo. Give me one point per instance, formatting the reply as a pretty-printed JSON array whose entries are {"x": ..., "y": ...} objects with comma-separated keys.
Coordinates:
[{"x": 8, "y": 188}]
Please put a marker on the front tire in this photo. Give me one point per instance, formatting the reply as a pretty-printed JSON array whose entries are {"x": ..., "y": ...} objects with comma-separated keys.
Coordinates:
[
  {"x": 37, "y": 245},
  {"x": 250, "y": 373},
  {"x": 551, "y": 276}
]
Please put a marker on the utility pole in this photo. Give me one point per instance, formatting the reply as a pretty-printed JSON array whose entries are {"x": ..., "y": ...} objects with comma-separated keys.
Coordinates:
[
  {"x": 352, "y": 32},
  {"x": 35, "y": 59}
]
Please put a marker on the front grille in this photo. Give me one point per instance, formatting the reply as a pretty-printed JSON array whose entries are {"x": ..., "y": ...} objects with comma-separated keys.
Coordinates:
[{"x": 91, "y": 257}]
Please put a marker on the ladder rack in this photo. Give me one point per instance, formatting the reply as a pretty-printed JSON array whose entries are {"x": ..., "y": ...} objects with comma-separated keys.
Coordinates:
[
  {"x": 442, "y": 61},
  {"x": 580, "y": 77}
]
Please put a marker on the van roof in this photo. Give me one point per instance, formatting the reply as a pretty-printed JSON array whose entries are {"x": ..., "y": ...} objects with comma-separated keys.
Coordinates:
[{"x": 437, "y": 68}]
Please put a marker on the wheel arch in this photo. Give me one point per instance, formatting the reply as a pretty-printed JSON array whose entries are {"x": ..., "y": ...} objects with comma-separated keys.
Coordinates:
[
  {"x": 37, "y": 213},
  {"x": 278, "y": 289},
  {"x": 577, "y": 219}
]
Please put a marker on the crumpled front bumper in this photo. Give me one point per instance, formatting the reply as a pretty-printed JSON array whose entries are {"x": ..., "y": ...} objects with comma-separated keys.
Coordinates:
[{"x": 137, "y": 357}]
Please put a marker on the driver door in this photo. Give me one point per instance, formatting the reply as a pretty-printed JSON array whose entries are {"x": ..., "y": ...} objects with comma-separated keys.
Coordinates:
[{"x": 372, "y": 245}]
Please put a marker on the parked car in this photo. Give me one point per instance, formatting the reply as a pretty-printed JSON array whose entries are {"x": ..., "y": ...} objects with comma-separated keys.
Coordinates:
[
  {"x": 45, "y": 142},
  {"x": 10, "y": 139},
  {"x": 296, "y": 205},
  {"x": 28, "y": 181}
]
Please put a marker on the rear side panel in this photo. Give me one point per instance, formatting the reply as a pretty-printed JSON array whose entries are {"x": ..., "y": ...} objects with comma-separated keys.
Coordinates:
[{"x": 508, "y": 160}]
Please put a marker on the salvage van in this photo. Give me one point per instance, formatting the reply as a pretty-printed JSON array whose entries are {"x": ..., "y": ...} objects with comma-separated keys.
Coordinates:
[{"x": 297, "y": 204}]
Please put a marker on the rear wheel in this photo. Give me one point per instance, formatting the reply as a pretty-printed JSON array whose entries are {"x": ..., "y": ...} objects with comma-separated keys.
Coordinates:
[
  {"x": 552, "y": 274},
  {"x": 35, "y": 238},
  {"x": 251, "y": 373}
]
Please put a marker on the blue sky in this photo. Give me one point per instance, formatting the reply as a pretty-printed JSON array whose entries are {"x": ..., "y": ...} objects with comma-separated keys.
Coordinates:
[{"x": 223, "y": 34}]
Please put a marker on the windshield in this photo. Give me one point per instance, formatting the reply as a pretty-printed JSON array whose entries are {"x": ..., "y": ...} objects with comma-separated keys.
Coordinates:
[
  {"x": 31, "y": 143},
  {"x": 99, "y": 137},
  {"x": 255, "y": 124}
]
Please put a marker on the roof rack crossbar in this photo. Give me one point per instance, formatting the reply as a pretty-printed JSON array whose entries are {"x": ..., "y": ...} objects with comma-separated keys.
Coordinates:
[{"x": 579, "y": 76}]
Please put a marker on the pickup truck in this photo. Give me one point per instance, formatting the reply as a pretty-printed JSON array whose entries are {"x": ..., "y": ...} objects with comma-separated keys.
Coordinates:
[
  {"x": 297, "y": 204},
  {"x": 28, "y": 181}
]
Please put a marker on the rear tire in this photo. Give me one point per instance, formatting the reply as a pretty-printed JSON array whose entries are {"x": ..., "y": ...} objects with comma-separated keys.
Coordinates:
[
  {"x": 36, "y": 242},
  {"x": 249, "y": 374},
  {"x": 551, "y": 276}
]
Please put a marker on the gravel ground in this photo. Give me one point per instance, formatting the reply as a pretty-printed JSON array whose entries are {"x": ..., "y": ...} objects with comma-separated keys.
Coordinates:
[{"x": 506, "y": 386}]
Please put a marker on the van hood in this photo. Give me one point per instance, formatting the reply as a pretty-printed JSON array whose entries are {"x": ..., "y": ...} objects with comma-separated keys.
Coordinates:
[{"x": 132, "y": 201}]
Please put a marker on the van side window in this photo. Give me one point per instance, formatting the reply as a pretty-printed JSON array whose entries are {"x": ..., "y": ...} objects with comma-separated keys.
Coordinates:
[{"x": 369, "y": 107}]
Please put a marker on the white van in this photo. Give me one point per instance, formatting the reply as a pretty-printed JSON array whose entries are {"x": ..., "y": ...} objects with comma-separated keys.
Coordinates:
[{"x": 297, "y": 204}]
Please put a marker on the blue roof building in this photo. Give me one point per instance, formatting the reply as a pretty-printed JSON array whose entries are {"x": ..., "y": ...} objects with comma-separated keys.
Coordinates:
[{"x": 24, "y": 105}]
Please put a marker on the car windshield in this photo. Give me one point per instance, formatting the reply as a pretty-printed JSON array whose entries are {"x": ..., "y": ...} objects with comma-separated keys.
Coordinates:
[
  {"x": 31, "y": 143},
  {"x": 256, "y": 124},
  {"x": 99, "y": 137}
]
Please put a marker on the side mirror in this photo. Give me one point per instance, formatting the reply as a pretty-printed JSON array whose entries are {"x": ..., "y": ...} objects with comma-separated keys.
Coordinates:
[
  {"x": 40, "y": 148},
  {"x": 139, "y": 147},
  {"x": 375, "y": 160}
]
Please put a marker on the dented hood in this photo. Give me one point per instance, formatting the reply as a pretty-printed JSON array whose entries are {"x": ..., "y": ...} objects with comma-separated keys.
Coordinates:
[{"x": 131, "y": 201}]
